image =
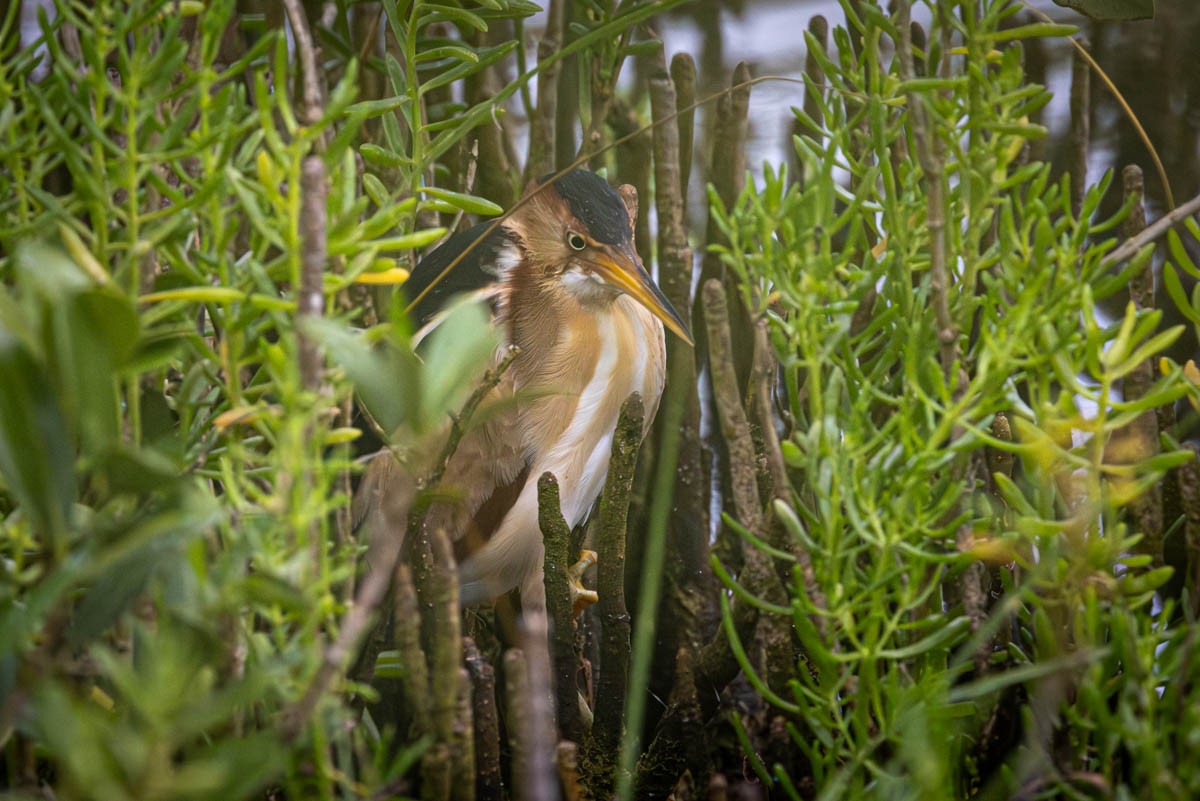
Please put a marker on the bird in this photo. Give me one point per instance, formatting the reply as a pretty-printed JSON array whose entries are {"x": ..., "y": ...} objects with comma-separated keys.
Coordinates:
[{"x": 571, "y": 298}]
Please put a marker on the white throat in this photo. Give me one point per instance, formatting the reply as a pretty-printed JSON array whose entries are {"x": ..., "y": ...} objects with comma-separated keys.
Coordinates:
[{"x": 588, "y": 287}]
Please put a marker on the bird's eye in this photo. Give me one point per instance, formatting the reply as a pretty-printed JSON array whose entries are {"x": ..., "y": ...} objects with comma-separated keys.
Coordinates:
[{"x": 576, "y": 241}]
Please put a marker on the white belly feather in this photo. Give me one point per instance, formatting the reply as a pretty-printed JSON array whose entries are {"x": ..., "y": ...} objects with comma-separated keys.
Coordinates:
[{"x": 578, "y": 458}]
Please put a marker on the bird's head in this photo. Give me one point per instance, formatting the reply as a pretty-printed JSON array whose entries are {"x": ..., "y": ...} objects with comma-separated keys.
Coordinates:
[{"x": 577, "y": 233}]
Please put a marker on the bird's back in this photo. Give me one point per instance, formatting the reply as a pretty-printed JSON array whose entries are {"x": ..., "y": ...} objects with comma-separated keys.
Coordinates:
[{"x": 482, "y": 248}]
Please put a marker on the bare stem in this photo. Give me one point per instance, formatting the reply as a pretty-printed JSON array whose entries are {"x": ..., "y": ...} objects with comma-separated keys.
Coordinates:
[
  {"x": 556, "y": 535},
  {"x": 541, "y": 127},
  {"x": 735, "y": 428},
  {"x": 1130, "y": 247},
  {"x": 311, "y": 107},
  {"x": 931, "y": 164},
  {"x": 314, "y": 188},
  {"x": 614, "y": 616},
  {"x": 489, "y": 785}
]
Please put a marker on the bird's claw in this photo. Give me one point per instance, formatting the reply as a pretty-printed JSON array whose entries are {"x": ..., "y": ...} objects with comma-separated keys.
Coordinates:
[{"x": 581, "y": 597}]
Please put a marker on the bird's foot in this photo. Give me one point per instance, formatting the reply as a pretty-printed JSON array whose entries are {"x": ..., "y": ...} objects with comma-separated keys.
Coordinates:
[{"x": 581, "y": 597}]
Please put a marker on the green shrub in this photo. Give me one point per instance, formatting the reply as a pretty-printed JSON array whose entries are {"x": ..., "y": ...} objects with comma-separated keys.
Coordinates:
[{"x": 971, "y": 596}]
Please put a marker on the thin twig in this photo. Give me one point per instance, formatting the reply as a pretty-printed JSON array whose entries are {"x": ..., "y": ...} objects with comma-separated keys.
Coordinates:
[
  {"x": 311, "y": 303},
  {"x": 1131, "y": 246},
  {"x": 1112, "y": 87},
  {"x": 311, "y": 108}
]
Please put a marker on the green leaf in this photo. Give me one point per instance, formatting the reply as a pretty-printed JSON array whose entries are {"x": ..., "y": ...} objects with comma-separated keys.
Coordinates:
[
  {"x": 1111, "y": 10},
  {"x": 36, "y": 455},
  {"x": 413, "y": 241},
  {"x": 374, "y": 154},
  {"x": 1180, "y": 255},
  {"x": 387, "y": 377},
  {"x": 373, "y": 108},
  {"x": 942, "y": 637},
  {"x": 443, "y": 13},
  {"x": 1178, "y": 294},
  {"x": 487, "y": 57},
  {"x": 468, "y": 203},
  {"x": 455, "y": 353},
  {"x": 1031, "y": 31}
]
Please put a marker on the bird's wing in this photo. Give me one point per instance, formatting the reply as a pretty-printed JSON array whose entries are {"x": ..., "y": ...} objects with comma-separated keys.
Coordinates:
[
  {"x": 479, "y": 269},
  {"x": 488, "y": 469},
  {"x": 481, "y": 482}
]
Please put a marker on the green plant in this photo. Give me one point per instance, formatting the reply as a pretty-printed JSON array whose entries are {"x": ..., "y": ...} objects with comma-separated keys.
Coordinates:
[
  {"x": 174, "y": 480},
  {"x": 963, "y": 463}
]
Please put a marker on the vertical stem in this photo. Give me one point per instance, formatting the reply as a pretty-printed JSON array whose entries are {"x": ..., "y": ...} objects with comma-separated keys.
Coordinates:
[
  {"x": 683, "y": 79},
  {"x": 612, "y": 682},
  {"x": 488, "y": 783},
  {"x": 312, "y": 236},
  {"x": 532, "y": 734},
  {"x": 1138, "y": 441},
  {"x": 541, "y": 127},
  {"x": 727, "y": 168},
  {"x": 931, "y": 165},
  {"x": 556, "y": 535},
  {"x": 1081, "y": 75}
]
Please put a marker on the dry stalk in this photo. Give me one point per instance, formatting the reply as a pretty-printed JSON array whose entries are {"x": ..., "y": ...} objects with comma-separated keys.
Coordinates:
[
  {"x": 1138, "y": 441},
  {"x": 683, "y": 79},
  {"x": 489, "y": 784},
  {"x": 542, "y": 157},
  {"x": 1130, "y": 247}
]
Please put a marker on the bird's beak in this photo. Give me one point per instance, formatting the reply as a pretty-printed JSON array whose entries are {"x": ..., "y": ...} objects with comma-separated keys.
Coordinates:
[{"x": 622, "y": 268}]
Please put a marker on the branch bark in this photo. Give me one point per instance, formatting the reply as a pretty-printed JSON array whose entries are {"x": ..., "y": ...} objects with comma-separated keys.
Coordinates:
[
  {"x": 541, "y": 128},
  {"x": 556, "y": 535},
  {"x": 600, "y": 753},
  {"x": 489, "y": 785},
  {"x": 1138, "y": 441},
  {"x": 1130, "y": 247}
]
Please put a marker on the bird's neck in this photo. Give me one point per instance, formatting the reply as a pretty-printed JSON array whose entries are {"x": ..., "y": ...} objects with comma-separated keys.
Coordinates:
[
  {"x": 564, "y": 343},
  {"x": 554, "y": 324}
]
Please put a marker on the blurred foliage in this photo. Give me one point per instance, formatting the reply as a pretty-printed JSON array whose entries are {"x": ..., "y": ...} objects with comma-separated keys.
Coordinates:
[
  {"x": 175, "y": 552},
  {"x": 971, "y": 604},
  {"x": 980, "y": 617}
]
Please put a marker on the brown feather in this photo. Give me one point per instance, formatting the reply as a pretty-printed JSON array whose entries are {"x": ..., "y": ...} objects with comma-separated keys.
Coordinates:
[{"x": 581, "y": 355}]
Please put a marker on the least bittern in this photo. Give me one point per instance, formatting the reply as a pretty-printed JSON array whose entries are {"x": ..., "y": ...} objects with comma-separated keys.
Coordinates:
[{"x": 568, "y": 289}]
